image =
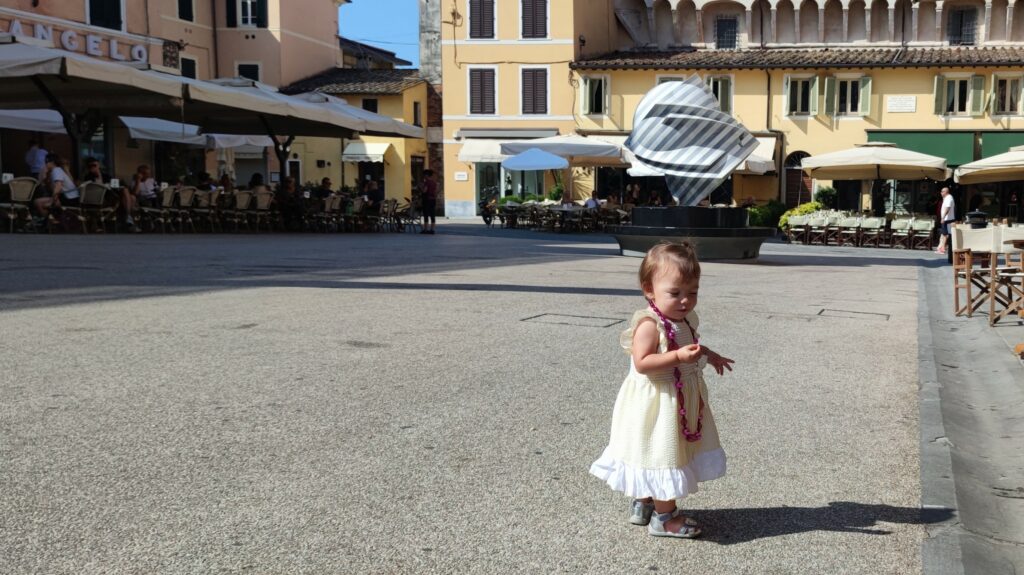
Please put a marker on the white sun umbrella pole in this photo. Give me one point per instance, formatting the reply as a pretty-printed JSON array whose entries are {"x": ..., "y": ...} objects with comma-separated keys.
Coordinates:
[{"x": 680, "y": 131}]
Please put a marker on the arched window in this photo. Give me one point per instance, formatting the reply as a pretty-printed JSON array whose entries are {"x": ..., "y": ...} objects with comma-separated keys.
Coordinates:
[
  {"x": 856, "y": 30},
  {"x": 879, "y": 21},
  {"x": 833, "y": 22},
  {"x": 809, "y": 33},
  {"x": 688, "y": 32},
  {"x": 663, "y": 26},
  {"x": 785, "y": 23}
]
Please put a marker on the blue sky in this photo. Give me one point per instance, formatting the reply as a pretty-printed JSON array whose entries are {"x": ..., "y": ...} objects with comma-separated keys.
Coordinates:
[{"x": 393, "y": 25}]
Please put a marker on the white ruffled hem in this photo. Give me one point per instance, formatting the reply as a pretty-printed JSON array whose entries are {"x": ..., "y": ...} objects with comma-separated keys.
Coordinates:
[{"x": 661, "y": 484}]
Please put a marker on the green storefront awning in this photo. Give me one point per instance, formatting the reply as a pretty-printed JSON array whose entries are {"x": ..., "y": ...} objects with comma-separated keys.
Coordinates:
[
  {"x": 956, "y": 147},
  {"x": 993, "y": 143}
]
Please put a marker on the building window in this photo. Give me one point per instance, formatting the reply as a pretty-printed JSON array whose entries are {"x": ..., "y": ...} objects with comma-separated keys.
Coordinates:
[
  {"x": 960, "y": 26},
  {"x": 188, "y": 67},
  {"x": 535, "y": 18},
  {"x": 105, "y": 14},
  {"x": 481, "y": 18},
  {"x": 849, "y": 98},
  {"x": 417, "y": 114},
  {"x": 726, "y": 28},
  {"x": 1007, "y": 96},
  {"x": 535, "y": 91},
  {"x": 481, "y": 91},
  {"x": 250, "y": 71},
  {"x": 958, "y": 94},
  {"x": 247, "y": 13},
  {"x": 371, "y": 105},
  {"x": 801, "y": 97},
  {"x": 721, "y": 87},
  {"x": 663, "y": 79},
  {"x": 185, "y": 11},
  {"x": 595, "y": 95}
]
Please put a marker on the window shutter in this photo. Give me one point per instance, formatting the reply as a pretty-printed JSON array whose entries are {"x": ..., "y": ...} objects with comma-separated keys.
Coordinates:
[
  {"x": 865, "y": 96},
  {"x": 262, "y": 17},
  {"x": 785, "y": 96},
  {"x": 940, "y": 96},
  {"x": 830, "y": 96},
  {"x": 476, "y": 94},
  {"x": 488, "y": 91},
  {"x": 812, "y": 106},
  {"x": 977, "y": 96},
  {"x": 487, "y": 13},
  {"x": 725, "y": 94},
  {"x": 527, "y": 15},
  {"x": 185, "y": 10},
  {"x": 540, "y": 17},
  {"x": 232, "y": 13},
  {"x": 585, "y": 96},
  {"x": 540, "y": 93},
  {"x": 528, "y": 88},
  {"x": 475, "y": 18}
]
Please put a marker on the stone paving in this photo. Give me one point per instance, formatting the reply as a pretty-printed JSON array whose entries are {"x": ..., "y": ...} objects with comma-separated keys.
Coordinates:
[{"x": 415, "y": 404}]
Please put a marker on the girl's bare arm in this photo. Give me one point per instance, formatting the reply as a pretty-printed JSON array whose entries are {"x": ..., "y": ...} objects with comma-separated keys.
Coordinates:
[{"x": 645, "y": 350}]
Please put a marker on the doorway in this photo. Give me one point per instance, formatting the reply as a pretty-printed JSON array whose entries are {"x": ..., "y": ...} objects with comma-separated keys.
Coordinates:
[
  {"x": 488, "y": 182},
  {"x": 798, "y": 184}
]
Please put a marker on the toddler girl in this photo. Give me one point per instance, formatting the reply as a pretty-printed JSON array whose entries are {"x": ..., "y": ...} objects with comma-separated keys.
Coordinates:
[{"x": 663, "y": 439}]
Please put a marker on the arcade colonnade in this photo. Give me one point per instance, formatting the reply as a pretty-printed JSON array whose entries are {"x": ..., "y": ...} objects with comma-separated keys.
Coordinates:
[{"x": 699, "y": 23}]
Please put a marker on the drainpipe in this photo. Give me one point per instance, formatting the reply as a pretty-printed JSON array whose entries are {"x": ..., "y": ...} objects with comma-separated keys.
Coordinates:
[{"x": 216, "y": 52}]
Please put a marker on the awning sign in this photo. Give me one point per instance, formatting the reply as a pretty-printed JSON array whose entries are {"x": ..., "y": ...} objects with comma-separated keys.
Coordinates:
[{"x": 74, "y": 41}]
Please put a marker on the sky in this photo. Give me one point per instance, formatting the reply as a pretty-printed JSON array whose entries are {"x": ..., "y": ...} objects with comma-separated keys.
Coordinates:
[{"x": 393, "y": 25}]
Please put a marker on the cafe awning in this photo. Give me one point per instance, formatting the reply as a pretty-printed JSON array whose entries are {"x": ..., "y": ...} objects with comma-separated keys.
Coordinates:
[
  {"x": 481, "y": 150},
  {"x": 365, "y": 152}
]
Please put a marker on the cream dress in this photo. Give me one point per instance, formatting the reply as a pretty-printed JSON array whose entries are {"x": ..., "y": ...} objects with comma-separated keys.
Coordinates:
[{"x": 647, "y": 455}]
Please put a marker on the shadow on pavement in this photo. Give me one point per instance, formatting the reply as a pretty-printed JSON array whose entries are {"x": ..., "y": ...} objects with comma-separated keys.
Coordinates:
[{"x": 730, "y": 526}]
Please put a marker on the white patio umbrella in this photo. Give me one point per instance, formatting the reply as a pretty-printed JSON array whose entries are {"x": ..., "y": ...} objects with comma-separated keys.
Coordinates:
[
  {"x": 875, "y": 161},
  {"x": 577, "y": 150},
  {"x": 1003, "y": 167}
]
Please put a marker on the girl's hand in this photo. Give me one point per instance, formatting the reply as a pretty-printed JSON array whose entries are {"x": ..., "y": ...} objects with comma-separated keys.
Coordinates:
[
  {"x": 719, "y": 363},
  {"x": 690, "y": 353}
]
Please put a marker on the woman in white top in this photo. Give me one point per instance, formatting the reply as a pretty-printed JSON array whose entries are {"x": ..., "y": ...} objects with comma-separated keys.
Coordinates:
[{"x": 63, "y": 191}]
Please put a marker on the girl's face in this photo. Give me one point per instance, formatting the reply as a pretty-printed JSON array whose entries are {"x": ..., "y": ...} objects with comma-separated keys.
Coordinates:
[{"x": 674, "y": 294}]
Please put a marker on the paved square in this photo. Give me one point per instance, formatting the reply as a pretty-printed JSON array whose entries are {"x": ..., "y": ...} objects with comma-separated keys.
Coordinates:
[{"x": 411, "y": 404}]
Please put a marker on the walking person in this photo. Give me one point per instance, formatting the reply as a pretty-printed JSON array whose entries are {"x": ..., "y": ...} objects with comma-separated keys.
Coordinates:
[
  {"x": 947, "y": 215},
  {"x": 428, "y": 195},
  {"x": 663, "y": 439}
]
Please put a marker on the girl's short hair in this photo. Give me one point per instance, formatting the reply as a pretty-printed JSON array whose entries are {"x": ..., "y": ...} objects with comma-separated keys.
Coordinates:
[{"x": 680, "y": 255}]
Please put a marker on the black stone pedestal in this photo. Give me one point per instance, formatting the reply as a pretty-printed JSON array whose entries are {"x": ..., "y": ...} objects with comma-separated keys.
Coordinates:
[{"x": 718, "y": 233}]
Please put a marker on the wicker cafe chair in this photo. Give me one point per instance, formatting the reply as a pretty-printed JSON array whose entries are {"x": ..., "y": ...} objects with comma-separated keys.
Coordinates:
[
  {"x": 832, "y": 229},
  {"x": 204, "y": 209},
  {"x": 972, "y": 268},
  {"x": 239, "y": 213},
  {"x": 262, "y": 211},
  {"x": 872, "y": 232},
  {"x": 162, "y": 215},
  {"x": 900, "y": 233},
  {"x": 848, "y": 231},
  {"x": 23, "y": 191},
  {"x": 923, "y": 234},
  {"x": 797, "y": 230},
  {"x": 92, "y": 208},
  {"x": 326, "y": 220},
  {"x": 182, "y": 215}
]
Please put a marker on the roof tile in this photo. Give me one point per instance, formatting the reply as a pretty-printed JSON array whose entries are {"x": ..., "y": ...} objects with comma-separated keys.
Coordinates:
[{"x": 340, "y": 81}]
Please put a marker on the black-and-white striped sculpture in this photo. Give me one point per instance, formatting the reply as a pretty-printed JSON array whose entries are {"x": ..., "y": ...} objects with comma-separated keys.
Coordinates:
[{"x": 680, "y": 131}]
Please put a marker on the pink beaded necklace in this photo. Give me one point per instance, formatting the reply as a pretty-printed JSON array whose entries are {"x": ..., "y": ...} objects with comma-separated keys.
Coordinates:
[{"x": 670, "y": 332}]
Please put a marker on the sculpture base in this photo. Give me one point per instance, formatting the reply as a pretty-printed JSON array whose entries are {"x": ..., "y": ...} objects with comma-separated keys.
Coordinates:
[{"x": 718, "y": 233}]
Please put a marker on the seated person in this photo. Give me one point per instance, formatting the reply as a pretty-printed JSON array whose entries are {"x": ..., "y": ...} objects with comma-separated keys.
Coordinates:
[
  {"x": 592, "y": 202},
  {"x": 226, "y": 183},
  {"x": 289, "y": 204},
  {"x": 206, "y": 183},
  {"x": 324, "y": 191},
  {"x": 63, "y": 191},
  {"x": 93, "y": 173}
]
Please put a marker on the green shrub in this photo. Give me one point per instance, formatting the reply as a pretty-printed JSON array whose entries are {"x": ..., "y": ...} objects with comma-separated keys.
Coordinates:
[
  {"x": 801, "y": 210},
  {"x": 766, "y": 216},
  {"x": 827, "y": 196},
  {"x": 556, "y": 193}
]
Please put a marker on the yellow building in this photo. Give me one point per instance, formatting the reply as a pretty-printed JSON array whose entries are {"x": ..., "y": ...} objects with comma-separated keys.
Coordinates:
[
  {"x": 944, "y": 78},
  {"x": 396, "y": 164}
]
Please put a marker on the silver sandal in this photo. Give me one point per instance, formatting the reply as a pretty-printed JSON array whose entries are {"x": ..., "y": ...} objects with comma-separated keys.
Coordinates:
[{"x": 689, "y": 530}]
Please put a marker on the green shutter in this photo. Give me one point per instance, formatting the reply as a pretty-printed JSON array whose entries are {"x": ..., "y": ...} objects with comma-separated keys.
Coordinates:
[
  {"x": 812, "y": 106},
  {"x": 940, "y": 96},
  {"x": 785, "y": 96},
  {"x": 232, "y": 13},
  {"x": 585, "y": 96},
  {"x": 725, "y": 94},
  {"x": 830, "y": 96},
  {"x": 865, "y": 96},
  {"x": 977, "y": 96}
]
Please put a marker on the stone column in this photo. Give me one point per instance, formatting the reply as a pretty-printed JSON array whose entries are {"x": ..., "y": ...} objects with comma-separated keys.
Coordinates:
[
  {"x": 821, "y": 24},
  {"x": 913, "y": 22},
  {"x": 750, "y": 31},
  {"x": 652, "y": 30},
  {"x": 700, "y": 27},
  {"x": 796, "y": 22},
  {"x": 846, "y": 25},
  {"x": 938, "y": 22},
  {"x": 867, "y": 21},
  {"x": 677, "y": 26},
  {"x": 892, "y": 24},
  {"x": 774, "y": 32}
]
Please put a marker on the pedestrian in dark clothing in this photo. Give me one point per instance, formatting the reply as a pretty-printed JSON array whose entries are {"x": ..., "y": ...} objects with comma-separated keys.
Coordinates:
[{"x": 428, "y": 193}]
